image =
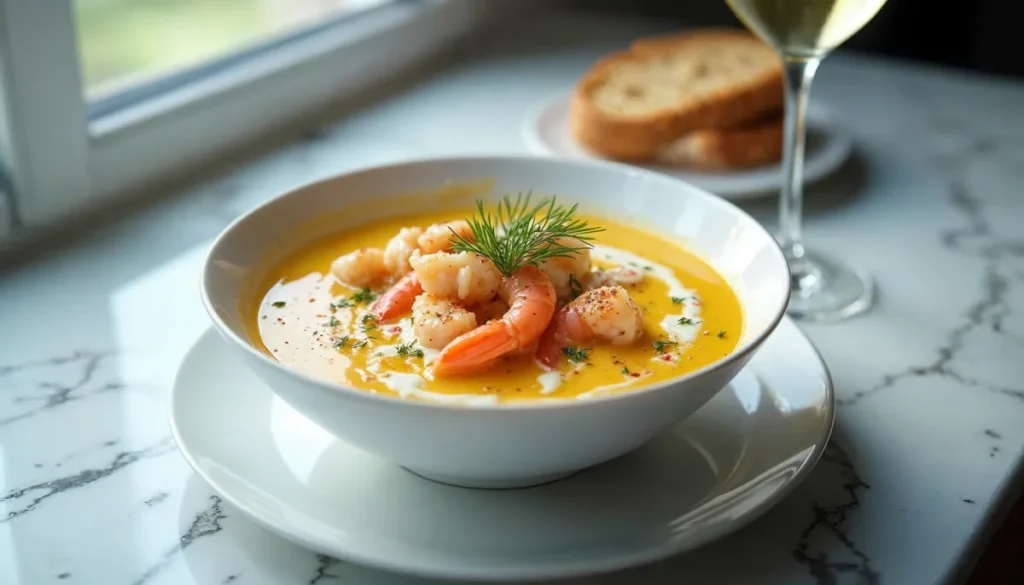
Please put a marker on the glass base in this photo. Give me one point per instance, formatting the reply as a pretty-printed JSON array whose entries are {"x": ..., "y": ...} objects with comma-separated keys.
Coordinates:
[{"x": 826, "y": 289}]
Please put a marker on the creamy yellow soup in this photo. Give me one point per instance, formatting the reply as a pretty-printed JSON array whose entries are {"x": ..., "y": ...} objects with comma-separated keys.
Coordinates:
[{"x": 307, "y": 319}]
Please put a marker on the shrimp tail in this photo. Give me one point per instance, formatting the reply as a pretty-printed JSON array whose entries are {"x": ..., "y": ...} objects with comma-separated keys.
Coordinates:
[
  {"x": 548, "y": 351},
  {"x": 398, "y": 299},
  {"x": 566, "y": 327},
  {"x": 475, "y": 350}
]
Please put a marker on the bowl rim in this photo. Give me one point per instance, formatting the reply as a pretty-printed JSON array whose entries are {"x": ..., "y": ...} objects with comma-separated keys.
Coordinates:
[{"x": 519, "y": 406}]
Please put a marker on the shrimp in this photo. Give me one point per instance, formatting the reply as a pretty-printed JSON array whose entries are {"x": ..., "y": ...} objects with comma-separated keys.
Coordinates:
[
  {"x": 488, "y": 310},
  {"x": 438, "y": 237},
  {"x": 360, "y": 268},
  {"x": 494, "y": 309},
  {"x": 567, "y": 272},
  {"x": 400, "y": 248},
  {"x": 612, "y": 277},
  {"x": 465, "y": 277},
  {"x": 603, "y": 314},
  {"x": 398, "y": 299},
  {"x": 437, "y": 321},
  {"x": 531, "y": 300}
]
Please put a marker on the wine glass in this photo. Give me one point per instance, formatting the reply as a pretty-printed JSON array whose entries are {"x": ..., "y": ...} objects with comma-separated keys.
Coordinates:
[{"x": 803, "y": 32}]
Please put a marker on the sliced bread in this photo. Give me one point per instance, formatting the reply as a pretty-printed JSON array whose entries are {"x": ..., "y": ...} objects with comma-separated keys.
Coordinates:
[
  {"x": 757, "y": 144},
  {"x": 631, "y": 104}
]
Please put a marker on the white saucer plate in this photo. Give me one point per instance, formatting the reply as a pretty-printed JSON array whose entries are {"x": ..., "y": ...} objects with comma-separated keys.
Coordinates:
[
  {"x": 717, "y": 471},
  {"x": 546, "y": 131}
]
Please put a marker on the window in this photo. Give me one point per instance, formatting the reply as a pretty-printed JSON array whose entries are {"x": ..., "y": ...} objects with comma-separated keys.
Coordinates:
[
  {"x": 106, "y": 97},
  {"x": 125, "y": 43}
]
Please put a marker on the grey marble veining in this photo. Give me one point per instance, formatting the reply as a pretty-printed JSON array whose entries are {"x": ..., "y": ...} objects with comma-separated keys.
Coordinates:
[{"x": 929, "y": 432}]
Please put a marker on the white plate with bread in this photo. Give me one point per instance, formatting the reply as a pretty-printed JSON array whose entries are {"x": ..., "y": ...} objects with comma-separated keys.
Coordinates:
[{"x": 704, "y": 106}]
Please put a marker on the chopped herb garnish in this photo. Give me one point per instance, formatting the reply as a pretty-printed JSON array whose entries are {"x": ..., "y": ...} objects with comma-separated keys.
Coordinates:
[
  {"x": 575, "y": 287},
  {"x": 520, "y": 234},
  {"x": 575, "y": 354},
  {"x": 363, "y": 296},
  {"x": 278, "y": 304},
  {"x": 721, "y": 334},
  {"x": 342, "y": 303},
  {"x": 625, "y": 371},
  {"x": 368, "y": 322},
  {"x": 333, "y": 322},
  {"x": 660, "y": 346},
  {"x": 648, "y": 268},
  {"x": 340, "y": 343},
  {"x": 679, "y": 300},
  {"x": 407, "y": 349},
  {"x": 685, "y": 321},
  {"x": 360, "y": 344}
]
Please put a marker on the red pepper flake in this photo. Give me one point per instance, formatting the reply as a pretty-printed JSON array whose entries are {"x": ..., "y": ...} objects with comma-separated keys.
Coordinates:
[
  {"x": 396, "y": 330},
  {"x": 665, "y": 358},
  {"x": 634, "y": 374}
]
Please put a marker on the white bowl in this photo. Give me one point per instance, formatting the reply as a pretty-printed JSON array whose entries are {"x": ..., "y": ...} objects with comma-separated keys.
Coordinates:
[{"x": 509, "y": 445}]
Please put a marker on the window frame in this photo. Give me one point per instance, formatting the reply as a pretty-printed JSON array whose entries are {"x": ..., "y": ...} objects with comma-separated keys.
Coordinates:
[{"x": 61, "y": 160}]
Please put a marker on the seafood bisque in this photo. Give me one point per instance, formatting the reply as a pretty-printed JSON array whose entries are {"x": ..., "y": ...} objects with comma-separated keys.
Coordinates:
[{"x": 520, "y": 302}]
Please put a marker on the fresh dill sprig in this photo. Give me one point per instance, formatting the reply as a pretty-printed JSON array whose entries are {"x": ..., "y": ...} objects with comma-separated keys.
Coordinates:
[
  {"x": 520, "y": 234},
  {"x": 577, "y": 355}
]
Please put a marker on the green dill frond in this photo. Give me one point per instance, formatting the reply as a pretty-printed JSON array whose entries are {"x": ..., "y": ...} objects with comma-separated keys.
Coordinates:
[
  {"x": 661, "y": 346},
  {"x": 408, "y": 349},
  {"x": 575, "y": 354},
  {"x": 519, "y": 234}
]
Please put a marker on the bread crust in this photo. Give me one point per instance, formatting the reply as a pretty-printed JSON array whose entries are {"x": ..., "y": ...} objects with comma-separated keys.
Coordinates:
[{"x": 640, "y": 138}]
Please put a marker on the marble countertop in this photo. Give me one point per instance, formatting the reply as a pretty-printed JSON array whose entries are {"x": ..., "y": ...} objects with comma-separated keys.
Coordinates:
[{"x": 929, "y": 435}]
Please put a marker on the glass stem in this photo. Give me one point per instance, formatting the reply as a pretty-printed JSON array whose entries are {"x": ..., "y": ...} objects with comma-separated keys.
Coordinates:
[{"x": 798, "y": 73}]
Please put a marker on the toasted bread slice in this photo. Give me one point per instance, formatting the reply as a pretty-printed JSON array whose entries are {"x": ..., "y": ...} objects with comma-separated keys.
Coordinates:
[
  {"x": 739, "y": 148},
  {"x": 631, "y": 104}
]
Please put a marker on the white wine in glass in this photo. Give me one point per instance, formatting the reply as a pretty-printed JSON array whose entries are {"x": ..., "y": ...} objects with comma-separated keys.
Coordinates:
[{"x": 803, "y": 32}]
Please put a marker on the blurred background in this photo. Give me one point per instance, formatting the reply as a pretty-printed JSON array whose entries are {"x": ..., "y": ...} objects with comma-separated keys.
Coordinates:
[
  {"x": 983, "y": 35},
  {"x": 127, "y": 41}
]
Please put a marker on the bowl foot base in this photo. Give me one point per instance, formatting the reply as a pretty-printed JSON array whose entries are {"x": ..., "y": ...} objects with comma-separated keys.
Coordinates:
[{"x": 485, "y": 483}]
